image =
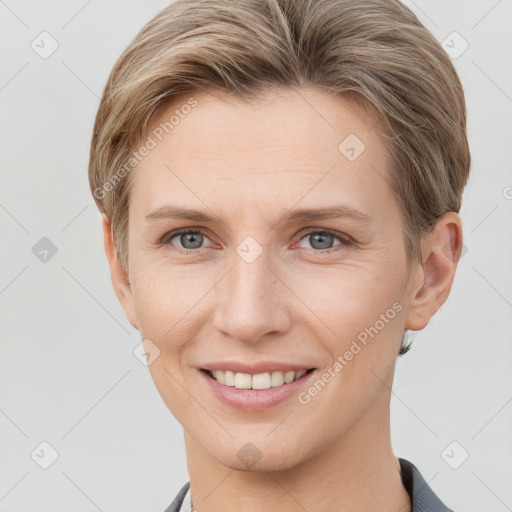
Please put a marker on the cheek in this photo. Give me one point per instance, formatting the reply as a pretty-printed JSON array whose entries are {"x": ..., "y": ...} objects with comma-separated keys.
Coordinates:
[
  {"x": 171, "y": 308},
  {"x": 351, "y": 299},
  {"x": 368, "y": 323},
  {"x": 364, "y": 308},
  {"x": 163, "y": 294},
  {"x": 164, "y": 303}
]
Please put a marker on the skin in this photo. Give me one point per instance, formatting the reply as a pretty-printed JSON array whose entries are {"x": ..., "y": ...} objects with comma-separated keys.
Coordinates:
[{"x": 248, "y": 164}]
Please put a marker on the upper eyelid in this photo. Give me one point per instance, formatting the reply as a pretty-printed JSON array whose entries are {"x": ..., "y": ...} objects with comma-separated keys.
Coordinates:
[{"x": 341, "y": 236}]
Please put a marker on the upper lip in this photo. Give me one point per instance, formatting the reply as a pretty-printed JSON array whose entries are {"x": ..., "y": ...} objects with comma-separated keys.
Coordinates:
[{"x": 254, "y": 368}]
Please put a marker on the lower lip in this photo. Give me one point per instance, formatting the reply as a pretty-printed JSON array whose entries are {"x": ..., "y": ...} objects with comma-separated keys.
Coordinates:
[{"x": 254, "y": 399}]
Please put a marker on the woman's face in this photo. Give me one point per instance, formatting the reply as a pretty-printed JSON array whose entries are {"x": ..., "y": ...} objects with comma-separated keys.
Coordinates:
[{"x": 250, "y": 281}]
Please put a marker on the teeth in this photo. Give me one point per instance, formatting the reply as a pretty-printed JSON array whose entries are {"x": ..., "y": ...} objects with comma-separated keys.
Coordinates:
[{"x": 259, "y": 381}]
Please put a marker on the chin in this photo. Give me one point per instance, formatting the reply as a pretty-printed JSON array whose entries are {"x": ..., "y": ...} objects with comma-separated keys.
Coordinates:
[
  {"x": 264, "y": 456},
  {"x": 265, "y": 464}
]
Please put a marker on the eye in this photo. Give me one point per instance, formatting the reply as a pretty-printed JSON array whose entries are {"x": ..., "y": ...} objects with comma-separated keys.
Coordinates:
[
  {"x": 188, "y": 239},
  {"x": 322, "y": 240}
]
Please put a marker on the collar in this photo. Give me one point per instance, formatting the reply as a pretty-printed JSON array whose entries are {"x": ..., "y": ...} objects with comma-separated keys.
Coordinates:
[{"x": 422, "y": 496}]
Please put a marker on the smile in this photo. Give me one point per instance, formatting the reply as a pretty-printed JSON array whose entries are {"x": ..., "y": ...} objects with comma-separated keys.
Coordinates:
[{"x": 258, "y": 381}]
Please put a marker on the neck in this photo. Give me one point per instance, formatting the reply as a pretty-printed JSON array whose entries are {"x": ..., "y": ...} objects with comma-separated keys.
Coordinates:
[{"x": 359, "y": 473}]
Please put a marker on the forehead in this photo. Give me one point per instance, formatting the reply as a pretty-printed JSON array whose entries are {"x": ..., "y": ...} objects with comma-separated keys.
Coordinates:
[{"x": 285, "y": 146}]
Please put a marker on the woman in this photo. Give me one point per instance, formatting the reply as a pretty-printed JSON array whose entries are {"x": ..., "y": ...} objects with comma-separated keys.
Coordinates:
[{"x": 280, "y": 182}]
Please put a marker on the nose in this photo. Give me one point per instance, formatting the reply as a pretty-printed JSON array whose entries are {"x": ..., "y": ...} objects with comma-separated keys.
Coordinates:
[{"x": 251, "y": 301}]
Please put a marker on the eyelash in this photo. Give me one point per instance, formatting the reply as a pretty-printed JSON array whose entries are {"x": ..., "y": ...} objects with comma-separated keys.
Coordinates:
[{"x": 345, "y": 240}]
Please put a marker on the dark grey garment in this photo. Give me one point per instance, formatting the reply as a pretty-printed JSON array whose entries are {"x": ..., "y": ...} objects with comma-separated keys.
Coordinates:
[
  {"x": 422, "y": 496},
  {"x": 176, "y": 504}
]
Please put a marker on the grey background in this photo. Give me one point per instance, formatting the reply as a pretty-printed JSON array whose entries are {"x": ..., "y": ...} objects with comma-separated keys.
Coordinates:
[{"x": 68, "y": 374}]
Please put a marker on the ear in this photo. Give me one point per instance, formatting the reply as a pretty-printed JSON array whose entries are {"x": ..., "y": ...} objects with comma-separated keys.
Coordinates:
[
  {"x": 119, "y": 276},
  {"x": 431, "y": 281}
]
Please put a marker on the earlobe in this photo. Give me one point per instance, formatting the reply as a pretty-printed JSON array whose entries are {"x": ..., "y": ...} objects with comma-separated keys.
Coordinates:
[
  {"x": 430, "y": 285},
  {"x": 118, "y": 275}
]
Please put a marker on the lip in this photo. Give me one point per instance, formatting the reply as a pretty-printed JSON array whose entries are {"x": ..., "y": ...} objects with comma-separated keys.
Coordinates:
[
  {"x": 254, "y": 399},
  {"x": 254, "y": 368}
]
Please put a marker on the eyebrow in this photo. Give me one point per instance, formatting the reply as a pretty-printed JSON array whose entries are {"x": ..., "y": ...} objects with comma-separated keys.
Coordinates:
[{"x": 332, "y": 212}]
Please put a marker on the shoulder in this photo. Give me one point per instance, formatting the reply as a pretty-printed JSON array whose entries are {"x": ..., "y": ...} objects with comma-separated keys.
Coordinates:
[
  {"x": 175, "y": 506},
  {"x": 423, "y": 498}
]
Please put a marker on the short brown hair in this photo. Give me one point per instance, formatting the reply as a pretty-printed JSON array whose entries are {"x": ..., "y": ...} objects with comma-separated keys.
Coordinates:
[{"x": 374, "y": 51}]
